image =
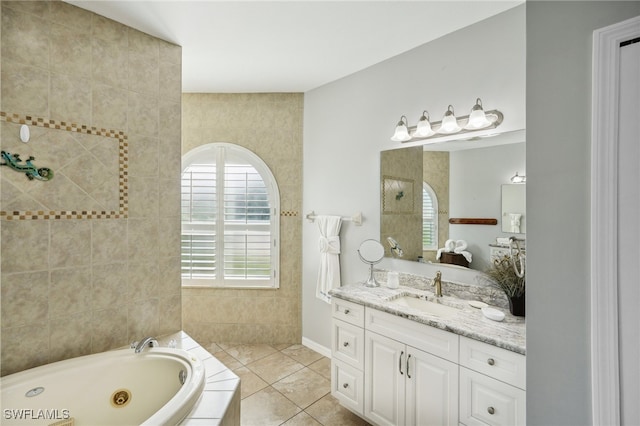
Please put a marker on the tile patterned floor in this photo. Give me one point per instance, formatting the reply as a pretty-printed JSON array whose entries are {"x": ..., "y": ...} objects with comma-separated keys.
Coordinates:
[{"x": 286, "y": 385}]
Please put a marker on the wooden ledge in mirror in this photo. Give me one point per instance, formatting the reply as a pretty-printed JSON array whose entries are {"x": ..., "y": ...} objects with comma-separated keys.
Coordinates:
[{"x": 472, "y": 221}]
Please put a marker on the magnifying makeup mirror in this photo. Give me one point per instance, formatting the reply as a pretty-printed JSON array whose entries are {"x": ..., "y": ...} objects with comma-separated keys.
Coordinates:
[{"x": 371, "y": 252}]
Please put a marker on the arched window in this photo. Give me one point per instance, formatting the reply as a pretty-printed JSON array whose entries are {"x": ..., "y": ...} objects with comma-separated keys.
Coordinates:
[
  {"x": 230, "y": 210},
  {"x": 429, "y": 218}
]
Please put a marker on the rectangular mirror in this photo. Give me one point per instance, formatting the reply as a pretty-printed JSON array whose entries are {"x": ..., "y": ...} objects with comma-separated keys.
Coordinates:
[
  {"x": 449, "y": 179},
  {"x": 513, "y": 208}
]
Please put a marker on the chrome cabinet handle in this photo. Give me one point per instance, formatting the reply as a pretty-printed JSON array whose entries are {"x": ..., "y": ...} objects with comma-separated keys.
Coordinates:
[
  {"x": 346, "y": 385},
  {"x": 491, "y": 410},
  {"x": 345, "y": 344},
  {"x": 400, "y": 362},
  {"x": 491, "y": 361},
  {"x": 408, "y": 357}
]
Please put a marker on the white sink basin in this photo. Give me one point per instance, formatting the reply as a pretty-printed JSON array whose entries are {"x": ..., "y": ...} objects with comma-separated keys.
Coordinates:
[{"x": 425, "y": 306}]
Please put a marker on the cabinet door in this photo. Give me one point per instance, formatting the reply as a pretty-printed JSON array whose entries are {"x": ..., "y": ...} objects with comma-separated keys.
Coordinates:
[
  {"x": 384, "y": 379},
  {"x": 431, "y": 390}
]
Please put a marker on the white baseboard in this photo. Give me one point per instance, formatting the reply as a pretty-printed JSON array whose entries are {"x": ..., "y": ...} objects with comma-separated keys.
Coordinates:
[{"x": 322, "y": 350}]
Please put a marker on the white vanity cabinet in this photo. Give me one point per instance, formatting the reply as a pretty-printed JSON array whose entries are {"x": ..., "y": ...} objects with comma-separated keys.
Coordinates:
[
  {"x": 347, "y": 354},
  {"x": 411, "y": 372},
  {"x": 395, "y": 371},
  {"x": 492, "y": 385}
]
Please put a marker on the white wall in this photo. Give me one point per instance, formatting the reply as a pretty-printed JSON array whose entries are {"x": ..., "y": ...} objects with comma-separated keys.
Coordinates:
[
  {"x": 475, "y": 184},
  {"x": 559, "y": 43},
  {"x": 348, "y": 122}
]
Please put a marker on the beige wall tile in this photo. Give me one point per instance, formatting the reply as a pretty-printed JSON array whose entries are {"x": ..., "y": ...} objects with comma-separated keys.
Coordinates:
[
  {"x": 75, "y": 286},
  {"x": 110, "y": 31},
  {"x": 142, "y": 281},
  {"x": 71, "y": 16},
  {"x": 143, "y": 197},
  {"x": 109, "y": 329},
  {"x": 109, "y": 106},
  {"x": 70, "y": 243},
  {"x": 109, "y": 286},
  {"x": 25, "y": 89},
  {"x": 169, "y": 234},
  {"x": 25, "y": 299},
  {"x": 143, "y": 318},
  {"x": 29, "y": 347},
  {"x": 25, "y": 38},
  {"x": 142, "y": 115},
  {"x": 143, "y": 76},
  {"x": 25, "y": 246},
  {"x": 70, "y": 54},
  {"x": 250, "y": 316},
  {"x": 109, "y": 241},
  {"x": 69, "y": 336},
  {"x": 70, "y": 99},
  {"x": 69, "y": 291},
  {"x": 109, "y": 63},
  {"x": 143, "y": 156},
  {"x": 142, "y": 240}
]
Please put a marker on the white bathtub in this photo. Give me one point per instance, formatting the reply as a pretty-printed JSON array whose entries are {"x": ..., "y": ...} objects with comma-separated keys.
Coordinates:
[{"x": 110, "y": 388}]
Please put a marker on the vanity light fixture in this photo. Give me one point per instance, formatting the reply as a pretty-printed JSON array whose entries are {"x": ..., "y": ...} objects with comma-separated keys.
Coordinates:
[
  {"x": 449, "y": 123},
  {"x": 518, "y": 179},
  {"x": 402, "y": 131},
  {"x": 477, "y": 120},
  {"x": 423, "y": 129}
]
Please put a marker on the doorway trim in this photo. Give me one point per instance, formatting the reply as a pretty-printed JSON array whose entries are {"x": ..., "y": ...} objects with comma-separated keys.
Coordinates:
[{"x": 605, "y": 383}]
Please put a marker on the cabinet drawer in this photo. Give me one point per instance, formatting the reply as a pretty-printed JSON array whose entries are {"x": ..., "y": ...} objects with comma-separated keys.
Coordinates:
[
  {"x": 420, "y": 336},
  {"x": 486, "y": 401},
  {"x": 348, "y": 311},
  {"x": 347, "y": 386},
  {"x": 348, "y": 343},
  {"x": 510, "y": 367}
]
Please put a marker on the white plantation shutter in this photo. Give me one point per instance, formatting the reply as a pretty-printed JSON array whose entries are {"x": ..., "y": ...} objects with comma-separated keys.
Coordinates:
[
  {"x": 429, "y": 218},
  {"x": 229, "y": 219}
]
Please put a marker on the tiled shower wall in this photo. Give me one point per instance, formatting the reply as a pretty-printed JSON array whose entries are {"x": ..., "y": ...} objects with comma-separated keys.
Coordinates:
[
  {"x": 85, "y": 284},
  {"x": 270, "y": 125}
]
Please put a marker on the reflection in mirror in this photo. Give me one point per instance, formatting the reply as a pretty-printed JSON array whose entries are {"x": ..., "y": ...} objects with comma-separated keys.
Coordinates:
[
  {"x": 513, "y": 208},
  {"x": 421, "y": 187},
  {"x": 371, "y": 252}
]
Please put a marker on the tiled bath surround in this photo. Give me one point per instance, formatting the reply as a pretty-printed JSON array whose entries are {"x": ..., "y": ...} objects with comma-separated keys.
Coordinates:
[
  {"x": 71, "y": 287},
  {"x": 270, "y": 125}
]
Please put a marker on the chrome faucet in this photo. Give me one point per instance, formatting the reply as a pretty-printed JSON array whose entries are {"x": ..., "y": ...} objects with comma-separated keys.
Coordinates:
[
  {"x": 437, "y": 283},
  {"x": 139, "y": 346}
]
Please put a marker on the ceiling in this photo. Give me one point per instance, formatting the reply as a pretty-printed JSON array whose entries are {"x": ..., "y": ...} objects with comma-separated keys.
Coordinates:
[{"x": 289, "y": 46}]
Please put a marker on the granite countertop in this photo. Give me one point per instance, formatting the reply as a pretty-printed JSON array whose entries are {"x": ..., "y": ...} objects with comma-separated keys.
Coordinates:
[{"x": 467, "y": 321}]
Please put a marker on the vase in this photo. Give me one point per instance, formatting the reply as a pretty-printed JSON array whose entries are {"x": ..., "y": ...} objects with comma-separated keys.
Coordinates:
[{"x": 516, "y": 305}]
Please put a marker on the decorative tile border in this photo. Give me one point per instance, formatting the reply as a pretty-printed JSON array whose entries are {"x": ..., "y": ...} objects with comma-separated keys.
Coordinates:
[
  {"x": 288, "y": 213},
  {"x": 123, "y": 171}
]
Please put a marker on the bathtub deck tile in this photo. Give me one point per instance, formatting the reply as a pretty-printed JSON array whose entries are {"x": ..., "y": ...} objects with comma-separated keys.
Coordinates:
[
  {"x": 211, "y": 405},
  {"x": 213, "y": 366},
  {"x": 201, "y": 422},
  {"x": 200, "y": 352}
]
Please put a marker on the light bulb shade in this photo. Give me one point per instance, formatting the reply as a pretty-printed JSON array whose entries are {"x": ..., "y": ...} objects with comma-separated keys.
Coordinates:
[
  {"x": 449, "y": 123},
  {"x": 423, "y": 129},
  {"x": 401, "y": 133},
  {"x": 477, "y": 118},
  {"x": 518, "y": 179}
]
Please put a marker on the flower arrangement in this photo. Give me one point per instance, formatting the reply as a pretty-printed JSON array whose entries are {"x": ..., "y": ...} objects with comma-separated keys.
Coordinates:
[{"x": 503, "y": 276}]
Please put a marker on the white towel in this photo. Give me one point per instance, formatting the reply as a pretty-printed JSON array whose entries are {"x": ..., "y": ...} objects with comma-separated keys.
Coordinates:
[
  {"x": 329, "y": 245},
  {"x": 460, "y": 246},
  {"x": 515, "y": 222},
  {"x": 455, "y": 246}
]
